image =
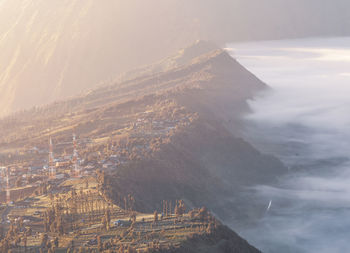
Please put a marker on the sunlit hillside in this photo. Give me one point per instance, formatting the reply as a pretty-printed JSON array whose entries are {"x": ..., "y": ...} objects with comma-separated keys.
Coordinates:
[{"x": 55, "y": 49}]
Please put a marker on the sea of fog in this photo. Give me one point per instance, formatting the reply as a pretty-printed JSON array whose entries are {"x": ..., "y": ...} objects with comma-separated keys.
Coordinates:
[{"x": 305, "y": 121}]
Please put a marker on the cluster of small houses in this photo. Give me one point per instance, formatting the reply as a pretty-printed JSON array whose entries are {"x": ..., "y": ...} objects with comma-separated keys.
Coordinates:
[
  {"x": 158, "y": 127},
  {"x": 63, "y": 164}
]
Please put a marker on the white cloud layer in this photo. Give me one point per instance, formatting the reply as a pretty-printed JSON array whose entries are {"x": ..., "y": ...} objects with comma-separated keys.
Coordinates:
[{"x": 305, "y": 120}]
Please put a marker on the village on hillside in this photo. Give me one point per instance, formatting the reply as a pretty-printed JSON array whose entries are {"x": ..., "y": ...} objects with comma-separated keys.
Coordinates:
[{"x": 53, "y": 201}]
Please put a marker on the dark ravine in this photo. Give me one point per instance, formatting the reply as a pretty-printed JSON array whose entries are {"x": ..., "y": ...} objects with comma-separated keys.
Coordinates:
[
  {"x": 221, "y": 240},
  {"x": 204, "y": 164}
]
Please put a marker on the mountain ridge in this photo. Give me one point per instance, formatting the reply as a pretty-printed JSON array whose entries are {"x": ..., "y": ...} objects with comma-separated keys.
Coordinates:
[
  {"x": 159, "y": 136},
  {"x": 211, "y": 92}
]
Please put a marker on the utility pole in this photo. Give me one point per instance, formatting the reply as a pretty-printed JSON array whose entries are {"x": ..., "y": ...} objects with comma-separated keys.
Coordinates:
[
  {"x": 8, "y": 193},
  {"x": 52, "y": 169},
  {"x": 75, "y": 157}
]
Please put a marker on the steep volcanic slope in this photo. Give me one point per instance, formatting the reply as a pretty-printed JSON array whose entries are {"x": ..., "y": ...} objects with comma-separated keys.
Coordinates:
[{"x": 56, "y": 49}]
